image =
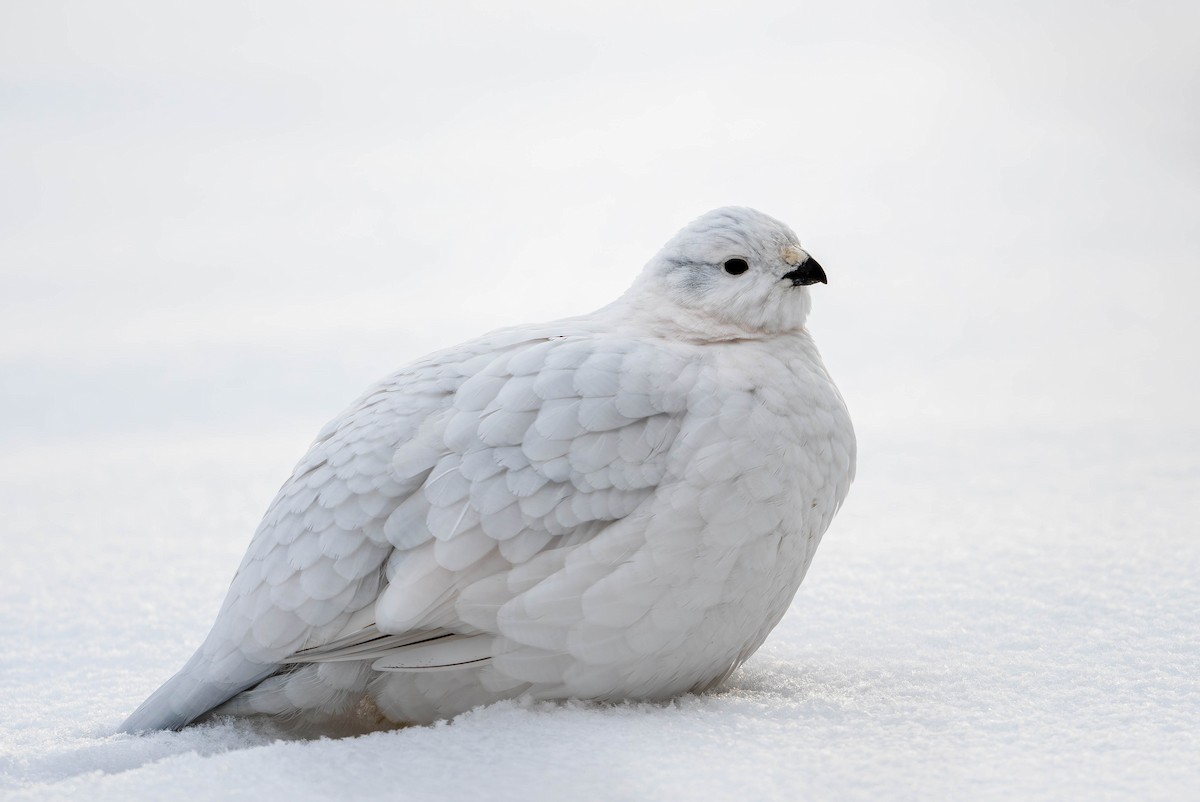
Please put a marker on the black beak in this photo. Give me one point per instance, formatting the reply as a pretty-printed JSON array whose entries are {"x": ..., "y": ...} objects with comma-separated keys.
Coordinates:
[{"x": 809, "y": 272}]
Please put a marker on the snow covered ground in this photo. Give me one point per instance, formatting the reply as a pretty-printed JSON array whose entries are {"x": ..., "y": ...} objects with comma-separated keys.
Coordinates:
[{"x": 993, "y": 616}]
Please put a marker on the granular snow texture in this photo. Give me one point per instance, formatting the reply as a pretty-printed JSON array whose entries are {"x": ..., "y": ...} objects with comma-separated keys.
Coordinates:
[{"x": 992, "y": 616}]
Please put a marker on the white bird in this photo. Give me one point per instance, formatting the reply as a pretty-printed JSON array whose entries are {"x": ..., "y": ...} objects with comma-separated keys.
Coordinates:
[{"x": 614, "y": 506}]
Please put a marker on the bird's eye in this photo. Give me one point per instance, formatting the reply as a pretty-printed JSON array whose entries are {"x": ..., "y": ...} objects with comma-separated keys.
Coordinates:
[{"x": 735, "y": 267}]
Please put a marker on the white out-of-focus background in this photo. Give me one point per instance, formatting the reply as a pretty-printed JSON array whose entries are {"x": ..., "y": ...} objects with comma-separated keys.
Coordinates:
[
  {"x": 219, "y": 222},
  {"x": 225, "y": 216}
]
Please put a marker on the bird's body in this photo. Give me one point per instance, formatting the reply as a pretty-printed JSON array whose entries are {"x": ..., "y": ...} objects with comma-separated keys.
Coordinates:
[{"x": 615, "y": 506}]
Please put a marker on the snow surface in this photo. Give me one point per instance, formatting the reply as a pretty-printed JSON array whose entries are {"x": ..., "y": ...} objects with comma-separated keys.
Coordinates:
[{"x": 992, "y": 616}]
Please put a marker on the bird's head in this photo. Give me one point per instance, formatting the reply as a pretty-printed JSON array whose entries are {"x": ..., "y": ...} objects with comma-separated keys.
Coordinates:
[{"x": 736, "y": 269}]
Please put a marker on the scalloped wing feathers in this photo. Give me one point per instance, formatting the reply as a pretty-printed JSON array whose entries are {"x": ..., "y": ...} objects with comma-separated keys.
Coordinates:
[{"x": 591, "y": 515}]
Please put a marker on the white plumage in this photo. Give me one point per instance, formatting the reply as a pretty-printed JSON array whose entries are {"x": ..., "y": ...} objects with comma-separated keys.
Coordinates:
[{"x": 614, "y": 506}]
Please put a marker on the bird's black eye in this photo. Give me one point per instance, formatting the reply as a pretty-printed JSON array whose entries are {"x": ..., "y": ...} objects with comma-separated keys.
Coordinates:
[{"x": 735, "y": 267}]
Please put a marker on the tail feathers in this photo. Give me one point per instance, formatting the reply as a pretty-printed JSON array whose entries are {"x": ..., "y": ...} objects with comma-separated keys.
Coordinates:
[{"x": 194, "y": 691}]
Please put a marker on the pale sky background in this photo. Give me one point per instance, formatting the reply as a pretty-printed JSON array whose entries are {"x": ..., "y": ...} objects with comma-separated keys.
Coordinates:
[{"x": 227, "y": 217}]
